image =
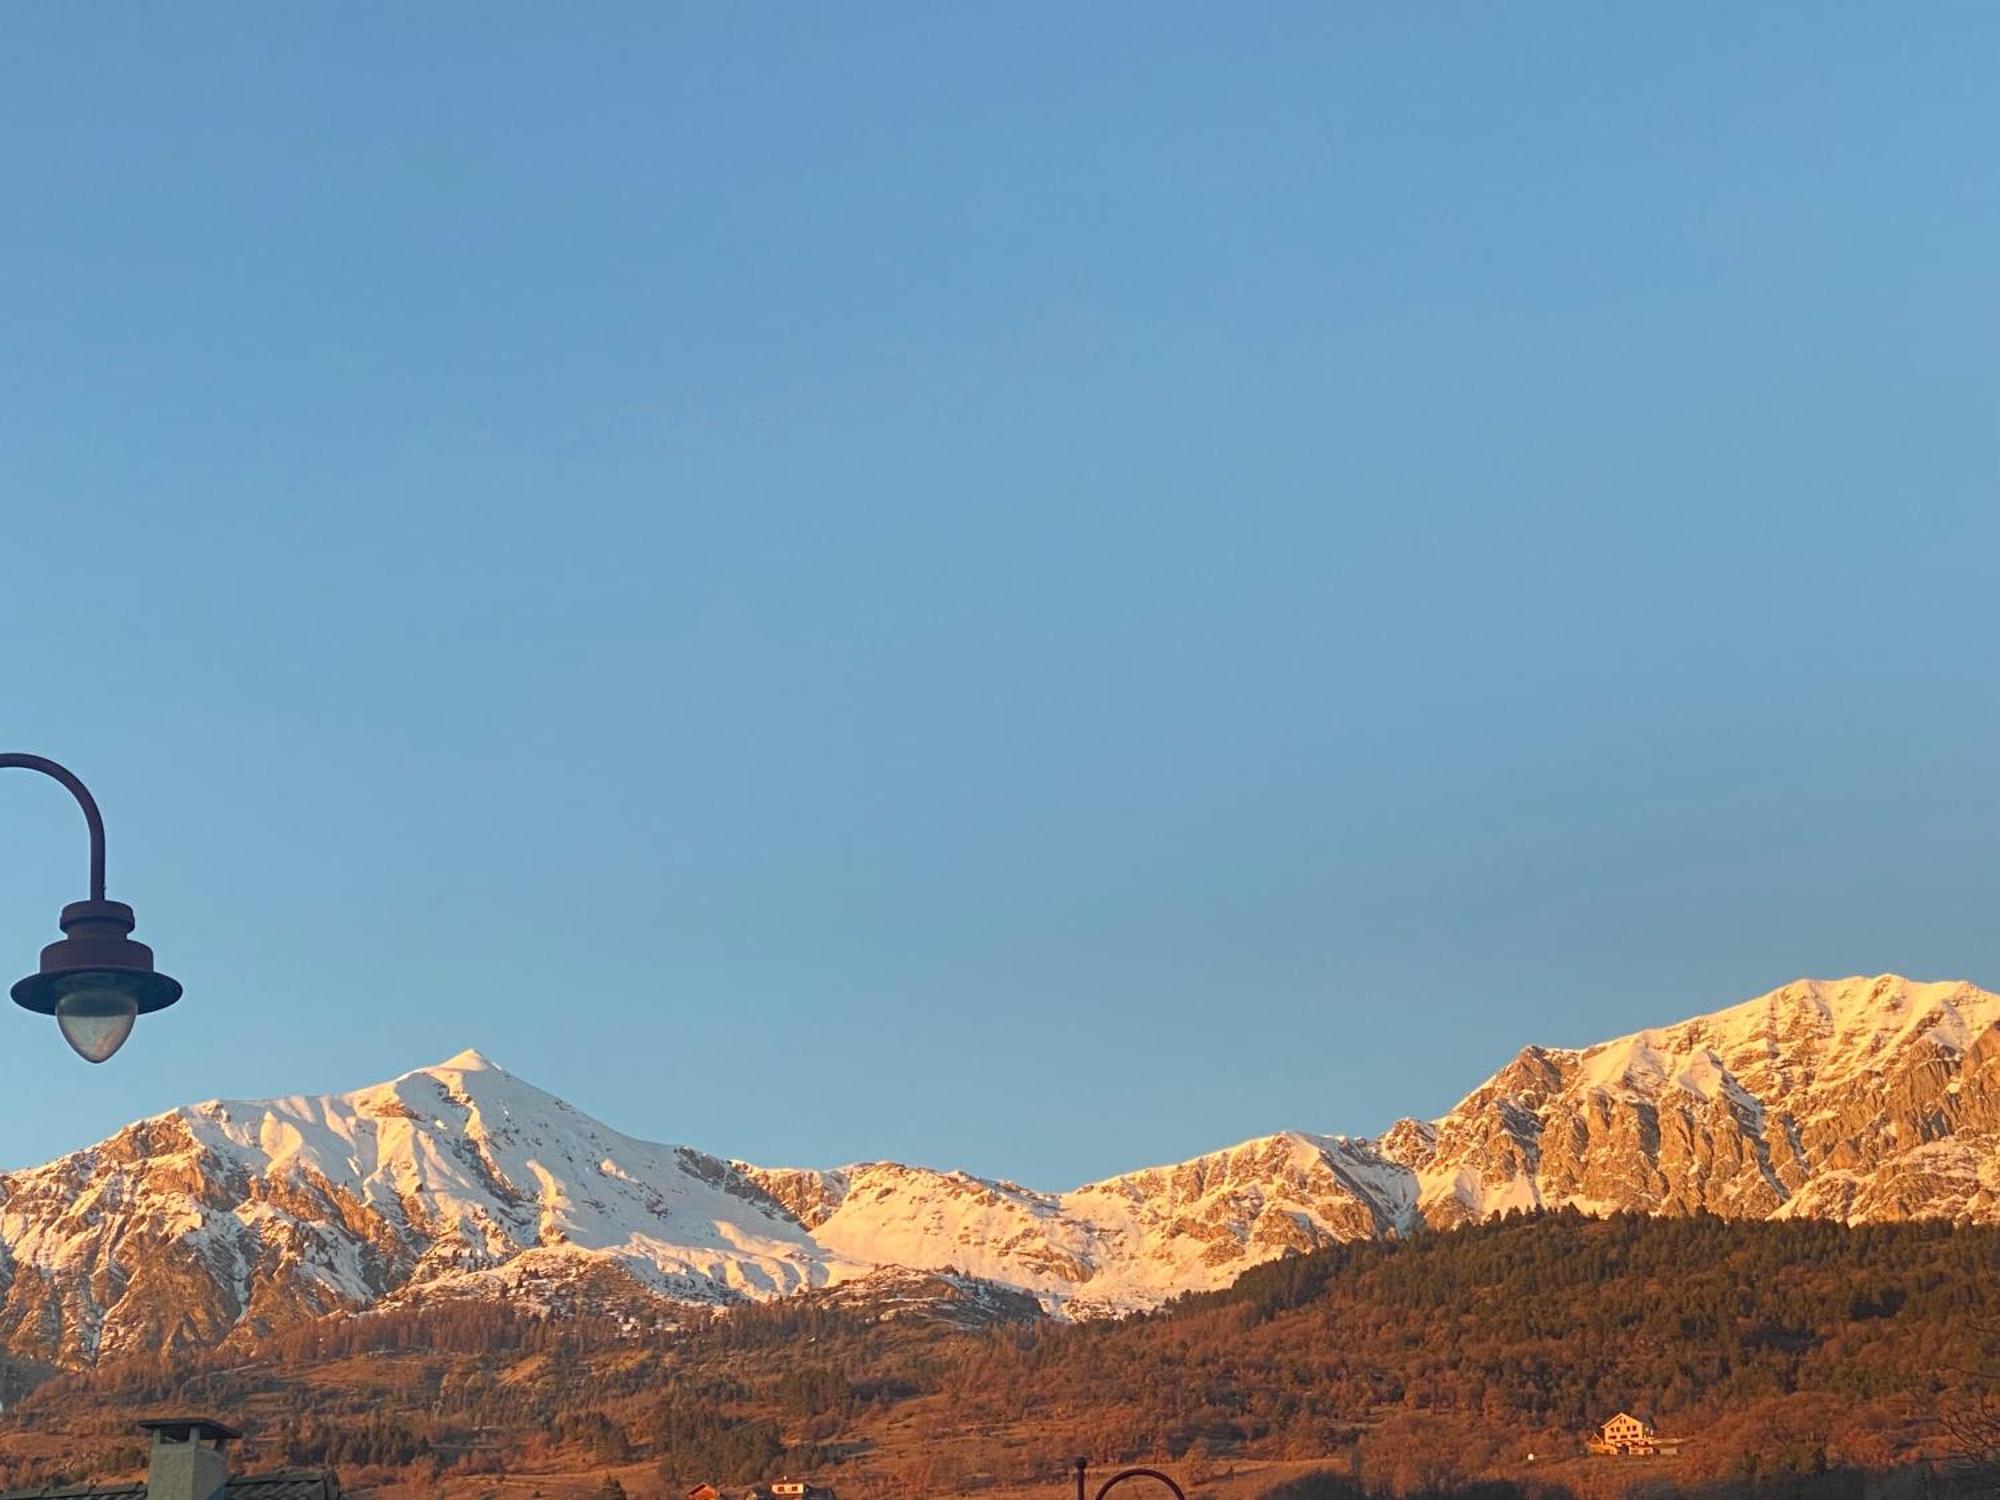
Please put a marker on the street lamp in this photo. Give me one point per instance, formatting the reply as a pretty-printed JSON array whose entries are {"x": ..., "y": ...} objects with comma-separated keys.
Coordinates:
[
  {"x": 1124, "y": 1476},
  {"x": 94, "y": 980}
]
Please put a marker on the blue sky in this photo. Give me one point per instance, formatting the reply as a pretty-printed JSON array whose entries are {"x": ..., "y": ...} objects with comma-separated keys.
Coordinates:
[{"x": 1038, "y": 591}]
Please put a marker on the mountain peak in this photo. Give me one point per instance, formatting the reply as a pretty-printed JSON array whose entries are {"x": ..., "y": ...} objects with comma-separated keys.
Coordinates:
[
  {"x": 1864, "y": 991},
  {"x": 1863, "y": 1006},
  {"x": 471, "y": 1060}
]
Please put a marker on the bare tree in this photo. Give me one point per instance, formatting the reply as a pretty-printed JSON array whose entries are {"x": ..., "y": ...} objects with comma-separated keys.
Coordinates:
[{"x": 1970, "y": 1411}]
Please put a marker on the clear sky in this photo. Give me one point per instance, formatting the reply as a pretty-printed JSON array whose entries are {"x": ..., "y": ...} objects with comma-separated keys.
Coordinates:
[{"x": 1039, "y": 589}]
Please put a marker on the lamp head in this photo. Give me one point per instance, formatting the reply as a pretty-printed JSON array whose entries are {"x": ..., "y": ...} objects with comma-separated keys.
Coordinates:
[{"x": 96, "y": 981}]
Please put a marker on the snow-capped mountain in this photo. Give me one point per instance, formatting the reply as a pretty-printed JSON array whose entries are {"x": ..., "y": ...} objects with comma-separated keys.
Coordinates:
[
  {"x": 457, "y": 1178},
  {"x": 1858, "y": 1099}
]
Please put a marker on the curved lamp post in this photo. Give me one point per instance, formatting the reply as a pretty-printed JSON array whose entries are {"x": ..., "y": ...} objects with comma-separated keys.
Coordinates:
[
  {"x": 1124, "y": 1476},
  {"x": 94, "y": 980}
]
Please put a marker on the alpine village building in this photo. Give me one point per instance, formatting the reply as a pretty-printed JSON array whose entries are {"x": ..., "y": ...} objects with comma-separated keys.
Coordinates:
[
  {"x": 1625, "y": 1434},
  {"x": 187, "y": 1461}
]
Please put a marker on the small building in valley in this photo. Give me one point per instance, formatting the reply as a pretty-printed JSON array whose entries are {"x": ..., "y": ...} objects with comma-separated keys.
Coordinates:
[{"x": 1631, "y": 1436}]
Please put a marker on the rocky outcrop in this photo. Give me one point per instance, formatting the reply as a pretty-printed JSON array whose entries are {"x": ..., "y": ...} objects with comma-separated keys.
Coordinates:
[{"x": 1855, "y": 1099}]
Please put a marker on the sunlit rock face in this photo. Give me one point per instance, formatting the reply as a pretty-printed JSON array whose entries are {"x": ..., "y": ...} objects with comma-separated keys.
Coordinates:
[{"x": 1855, "y": 1100}]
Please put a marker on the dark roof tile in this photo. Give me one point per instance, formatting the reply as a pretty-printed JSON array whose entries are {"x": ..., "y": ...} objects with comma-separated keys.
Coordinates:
[{"x": 295, "y": 1484}]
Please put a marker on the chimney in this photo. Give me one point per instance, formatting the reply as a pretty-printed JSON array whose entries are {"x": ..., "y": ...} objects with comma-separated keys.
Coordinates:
[{"x": 187, "y": 1461}]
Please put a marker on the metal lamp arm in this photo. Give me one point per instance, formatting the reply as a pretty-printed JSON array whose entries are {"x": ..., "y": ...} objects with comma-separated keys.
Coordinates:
[
  {"x": 1123, "y": 1476},
  {"x": 84, "y": 800}
]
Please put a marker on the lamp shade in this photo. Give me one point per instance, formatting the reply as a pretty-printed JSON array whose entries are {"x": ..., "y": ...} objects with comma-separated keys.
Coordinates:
[{"x": 96, "y": 980}]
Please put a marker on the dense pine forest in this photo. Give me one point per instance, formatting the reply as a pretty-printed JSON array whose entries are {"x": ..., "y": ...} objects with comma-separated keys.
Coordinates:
[{"x": 1789, "y": 1354}]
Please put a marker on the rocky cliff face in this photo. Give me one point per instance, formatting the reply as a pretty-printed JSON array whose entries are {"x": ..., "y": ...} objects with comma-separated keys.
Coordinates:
[
  {"x": 1854, "y": 1099},
  {"x": 1861, "y": 1099}
]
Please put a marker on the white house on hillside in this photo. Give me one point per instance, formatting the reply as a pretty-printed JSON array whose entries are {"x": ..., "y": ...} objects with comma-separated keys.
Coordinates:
[{"x": 1628, "y": 1434}]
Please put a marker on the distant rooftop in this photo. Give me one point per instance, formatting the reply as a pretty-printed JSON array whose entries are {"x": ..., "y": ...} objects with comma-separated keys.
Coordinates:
[
  {"x": 189, "y": 1429},
  {"x": 190, "y": 1462},
  {"x": 294, "y": 1484}
]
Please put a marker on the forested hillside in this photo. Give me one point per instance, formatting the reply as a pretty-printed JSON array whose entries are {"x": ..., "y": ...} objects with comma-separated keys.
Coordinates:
[{"x": 1780, "y": 1349}]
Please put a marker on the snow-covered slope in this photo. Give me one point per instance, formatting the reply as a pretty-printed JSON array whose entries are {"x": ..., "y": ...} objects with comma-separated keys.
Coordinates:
[
  {"x": 1857, "y": 1099},
  {"x": 1114, "y": 1246},
  {"x": 459, "y": 1177}
]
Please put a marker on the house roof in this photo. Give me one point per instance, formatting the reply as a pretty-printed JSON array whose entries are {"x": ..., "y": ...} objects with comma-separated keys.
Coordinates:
[{"x": 291, "y": 1484}]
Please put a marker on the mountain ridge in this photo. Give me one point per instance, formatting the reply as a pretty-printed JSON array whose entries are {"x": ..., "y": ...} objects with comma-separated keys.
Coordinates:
[{"x": 1857, "y": 1099}]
